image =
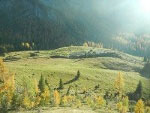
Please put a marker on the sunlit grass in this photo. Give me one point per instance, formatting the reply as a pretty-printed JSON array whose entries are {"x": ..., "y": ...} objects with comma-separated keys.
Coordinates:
[{"x": 94, "y": 71}]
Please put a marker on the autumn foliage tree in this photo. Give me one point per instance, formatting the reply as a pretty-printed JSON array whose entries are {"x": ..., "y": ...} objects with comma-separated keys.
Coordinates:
[
  {"x": 37, "y": 93},
  {"x": 119, "y": 84},
  {"x": 56, "y": 98},
  {"x": 7, "y": 86},
  {"x": 139, "y": 108},
  {"x": 123, "y": 105},
  {"x": 25, "y": 46},
  {"x": 44, "y": 91},
  {"x": 26, "y": 102},
  {"x": 45, "y": 97}
]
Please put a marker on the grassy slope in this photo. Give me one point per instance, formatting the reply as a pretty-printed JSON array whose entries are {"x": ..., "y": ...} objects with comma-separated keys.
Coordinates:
[
  {"x": 94, "y": 71},
  {"x": 101, "y": 70}
]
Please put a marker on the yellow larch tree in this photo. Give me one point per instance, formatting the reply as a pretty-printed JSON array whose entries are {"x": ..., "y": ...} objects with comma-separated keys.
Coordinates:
[
  {"x": 27, "y": 45},
  {"x": 119, "y": 84},
  {"x": 7, "y": 82},
  {"x": 123, "y": 105},
  {"x": 139, "y": 108},
  {"x": 45, "y": 96},
  {"x": 26, "y": 102},
  {"x": 37, "y": 93},
  {"x": 67, "y": 99},
  {"x": 56, "y": 98},
  {"x": 3, "y": 72},
  {"x": 10, "y": 84}
]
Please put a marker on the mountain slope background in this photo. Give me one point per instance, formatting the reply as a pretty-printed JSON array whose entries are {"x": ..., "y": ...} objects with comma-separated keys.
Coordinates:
[{"x": 56, "y": 23}]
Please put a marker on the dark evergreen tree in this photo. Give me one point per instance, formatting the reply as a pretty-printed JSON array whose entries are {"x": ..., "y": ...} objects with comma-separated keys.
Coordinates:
[
  {"x": 76, "y": 90},
  {"x": 15, "y": 102},
  {"x": 42, "y": 84},
  {"x": 68, "y": 91},
  {"x": 146, "y": 69},
  {"x": 78, "y": 75},
  {"x": 47, "y": 84},
  {"x": 139, "y": 91},
  {"x": 4, "y": 105},
  {"x": 61, "y": 85}
]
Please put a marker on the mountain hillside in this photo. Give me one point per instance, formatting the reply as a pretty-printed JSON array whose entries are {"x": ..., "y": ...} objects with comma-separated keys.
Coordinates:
[
  {"x": 52, "y": 23},
  {"x": 56, "y": 23}
]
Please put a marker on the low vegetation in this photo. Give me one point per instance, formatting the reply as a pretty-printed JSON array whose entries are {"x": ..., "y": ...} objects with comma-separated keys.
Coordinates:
[{"x": 77, "y": 83}]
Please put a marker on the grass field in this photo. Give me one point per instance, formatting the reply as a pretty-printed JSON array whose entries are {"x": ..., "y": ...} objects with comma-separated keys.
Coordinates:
[{"x": 28, "y": 65}]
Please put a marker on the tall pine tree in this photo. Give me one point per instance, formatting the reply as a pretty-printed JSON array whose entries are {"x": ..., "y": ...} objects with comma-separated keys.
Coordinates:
[
  {"x": 42, "y": 85},
  {"x": 139, "y": 91},
  {"x": 78, "y": 75},
  {"x": 61, "y": 85}
]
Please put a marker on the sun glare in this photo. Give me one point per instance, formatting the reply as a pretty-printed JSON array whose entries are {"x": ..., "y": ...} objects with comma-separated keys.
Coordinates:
[{"x": 145, "y": 6}]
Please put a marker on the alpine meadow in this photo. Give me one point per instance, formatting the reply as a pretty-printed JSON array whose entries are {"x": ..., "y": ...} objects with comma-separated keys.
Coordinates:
[{"x": 74, "y": 56}]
